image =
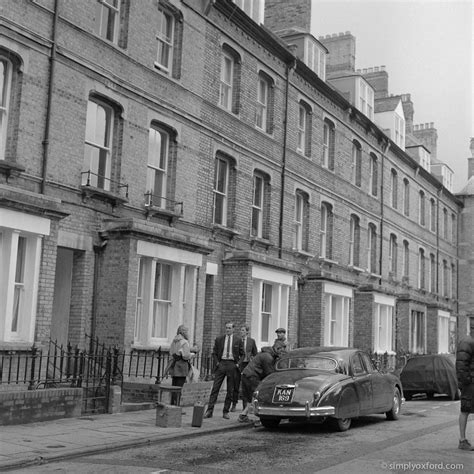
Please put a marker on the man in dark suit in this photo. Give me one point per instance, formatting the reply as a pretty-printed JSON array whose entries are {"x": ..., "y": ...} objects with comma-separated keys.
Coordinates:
[
  {"x": 226, "y": 354},
  {"x": 249, "y": 349}
]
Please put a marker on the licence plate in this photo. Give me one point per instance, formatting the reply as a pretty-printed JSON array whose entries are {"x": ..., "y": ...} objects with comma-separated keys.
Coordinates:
[{"x": 283, "y": 394}]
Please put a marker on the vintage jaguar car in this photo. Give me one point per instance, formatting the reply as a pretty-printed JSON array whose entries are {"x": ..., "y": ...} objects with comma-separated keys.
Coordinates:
[{"x": 337, "y": 384}]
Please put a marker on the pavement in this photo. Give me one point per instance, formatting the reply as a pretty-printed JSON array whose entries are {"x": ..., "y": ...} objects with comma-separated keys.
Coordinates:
[{"x": 47, "y": 441}]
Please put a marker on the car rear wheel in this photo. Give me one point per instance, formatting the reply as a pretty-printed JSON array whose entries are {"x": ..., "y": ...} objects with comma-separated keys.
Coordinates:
[
  {"x": 270, "y": 423},
  {"x": 341, "y": 424},
  {"x": 394, "y": 412}
]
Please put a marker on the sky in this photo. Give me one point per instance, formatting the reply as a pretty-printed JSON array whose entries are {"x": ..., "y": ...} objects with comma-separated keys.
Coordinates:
[{"x": 427, "y": 49}]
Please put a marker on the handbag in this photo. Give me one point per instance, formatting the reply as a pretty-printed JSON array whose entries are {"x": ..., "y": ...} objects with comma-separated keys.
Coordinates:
[{"x": 193, "y": 375}]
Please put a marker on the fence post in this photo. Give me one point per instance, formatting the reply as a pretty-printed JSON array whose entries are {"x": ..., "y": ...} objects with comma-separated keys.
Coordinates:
[{"x": 34, "y": 355}]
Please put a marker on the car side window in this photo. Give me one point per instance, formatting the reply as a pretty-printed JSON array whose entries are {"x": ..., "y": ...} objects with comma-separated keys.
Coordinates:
[
  {"x": 357, "y": 366},
  {"x": 368, "y": 363}
]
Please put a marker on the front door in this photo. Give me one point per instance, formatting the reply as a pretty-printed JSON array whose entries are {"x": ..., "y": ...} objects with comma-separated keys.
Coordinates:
[{"x": 62, "y": 296}]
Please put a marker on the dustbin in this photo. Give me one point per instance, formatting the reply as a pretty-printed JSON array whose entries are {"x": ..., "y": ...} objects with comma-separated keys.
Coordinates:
[{"x": 198, "y": 414}]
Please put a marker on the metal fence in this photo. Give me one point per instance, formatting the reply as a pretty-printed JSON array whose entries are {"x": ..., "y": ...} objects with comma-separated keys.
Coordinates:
[{"x": 58, "y": 365}]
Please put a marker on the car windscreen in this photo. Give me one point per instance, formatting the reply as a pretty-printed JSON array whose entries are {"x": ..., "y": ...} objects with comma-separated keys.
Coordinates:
[{"x": 307, "y": 362}]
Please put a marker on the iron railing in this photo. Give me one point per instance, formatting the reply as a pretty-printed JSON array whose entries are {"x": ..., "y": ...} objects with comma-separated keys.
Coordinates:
[{"x": 58, "y": 365}]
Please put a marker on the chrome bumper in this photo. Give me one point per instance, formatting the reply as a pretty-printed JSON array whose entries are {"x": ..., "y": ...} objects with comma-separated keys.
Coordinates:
[{"x": 289, "y": 412}]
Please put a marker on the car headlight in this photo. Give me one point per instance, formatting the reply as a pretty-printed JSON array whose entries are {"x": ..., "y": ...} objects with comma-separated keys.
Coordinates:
[
  {"x": 316, "y": 397},
  {"x": 255, "y": 395}
]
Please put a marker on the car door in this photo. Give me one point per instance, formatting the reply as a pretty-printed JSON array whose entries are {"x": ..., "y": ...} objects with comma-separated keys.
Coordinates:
[
  {"x": 382, "y": 390},
  {"x": 362, "y": 383}
]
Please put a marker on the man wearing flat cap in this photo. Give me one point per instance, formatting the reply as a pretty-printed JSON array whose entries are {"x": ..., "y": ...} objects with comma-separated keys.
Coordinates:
[{"x": 281, "y": 335}]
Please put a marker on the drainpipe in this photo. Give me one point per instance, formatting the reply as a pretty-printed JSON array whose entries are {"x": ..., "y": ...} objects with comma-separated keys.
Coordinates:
[
  {"x": 289, "y": 69},
  {"x": 385, "y": 148},
  {"x": 437, "y": 242},
  {"x": 52, "y": 60}
]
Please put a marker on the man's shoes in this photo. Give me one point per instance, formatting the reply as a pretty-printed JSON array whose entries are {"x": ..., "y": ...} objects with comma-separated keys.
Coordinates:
[
  {"x": 226, "y": 416},
  {"x": 244, "y": 418},
  {"x": 208, "y": 414},
  {"x": 234, "y": 407},
  {"x": 465, "y": 445}
]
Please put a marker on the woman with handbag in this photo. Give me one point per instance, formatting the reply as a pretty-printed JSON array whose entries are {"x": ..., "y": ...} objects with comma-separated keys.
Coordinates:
[{"x": 180, "y": 351}]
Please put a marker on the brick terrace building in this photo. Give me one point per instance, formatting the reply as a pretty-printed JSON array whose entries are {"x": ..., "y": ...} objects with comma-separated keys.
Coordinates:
[{"x": 166, "y": 162}]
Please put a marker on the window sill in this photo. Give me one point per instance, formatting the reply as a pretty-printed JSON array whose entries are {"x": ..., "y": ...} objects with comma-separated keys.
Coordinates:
[
  {"x": 327, "y": 261},
  {"x": 260, "y": 242},
  {"x": 303, "y": 253},
  {"x": 89, "y": 192},
  {"x": 172, "y": 216},
  {"x": 16, "y": 346},
  {"x": 8, "y": 168},
  {"x": 226, "y": 231},
  {"x": 356, "y": 269}
]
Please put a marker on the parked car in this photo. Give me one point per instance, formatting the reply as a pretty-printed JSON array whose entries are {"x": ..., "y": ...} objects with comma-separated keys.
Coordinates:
[
  {"x": 315, "y": 384},
  {"x": 430, "y": 374}
]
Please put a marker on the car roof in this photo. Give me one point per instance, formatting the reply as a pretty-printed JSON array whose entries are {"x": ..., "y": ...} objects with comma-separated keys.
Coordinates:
[{"x": 339, "y": 353}]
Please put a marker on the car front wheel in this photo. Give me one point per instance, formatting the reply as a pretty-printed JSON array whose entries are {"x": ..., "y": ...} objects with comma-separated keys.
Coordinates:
[
  {"x": 341, "y": 424},
  {"x": 394, "y": 412},
  {"x": 270, "y": 423}
]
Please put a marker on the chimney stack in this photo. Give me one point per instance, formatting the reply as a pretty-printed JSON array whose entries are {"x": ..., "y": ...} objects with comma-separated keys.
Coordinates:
[
  {"x": 427, "y": 135},
  {"x": 283, "y": 15},
  {"x": 342, "y": 50},
  {"x": 470, "y": 161}
]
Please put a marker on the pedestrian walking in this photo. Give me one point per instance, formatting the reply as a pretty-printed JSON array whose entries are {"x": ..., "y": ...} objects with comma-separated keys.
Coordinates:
[
  {"x": 226, "y": 354},
  {"x": 465, "y": 376},
  {"x": 181, "y": 354},
  {"x": 262, "y": 365},
  {"x": 249, "y": 348}
]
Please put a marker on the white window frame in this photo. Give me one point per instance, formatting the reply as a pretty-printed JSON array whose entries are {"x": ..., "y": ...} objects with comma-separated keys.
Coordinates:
[
  {"x": 393, "y": 254},
  {"x": 257, "y": 205},
  {"x": 406, "y": 259},
  {"x": 165, "y": 41},
  {"x": 432, "y": 215},
  {"x": 417, "y": 332},
  {"x": 107, "y": 7},
  {"x": 329, "y": 138},
  {"x": 432, "y": 274},
  {"x": 315, "y": 58},
  {"x": 265, "y": 320},
  {"x": 357, "y": 163},
  {"x": 19, "y": 292},
  {"x": 394, "y": 176},
  {"x": 352, "y": 239},
  {"x": 337, "y": 303},
  {"x": 444, "y": 335},
  {"x": 383, "y": 322},
  {"x": 98, "y": 141},
  {"x": 421, "y": 269},
  {"x": 226, "y": 89},
  {"x": 263, "y": 94},
  {"x": 371, "y": 248},
  {"x": 300, "y": 217},
  {"x": 253, "y": 8},
  {"x": 373, "y": 175},
  {"x": 5, "y": 91},
  {"x": 157, "y": 169},
  {"x": 302, "y": 128},
  {"x": 323, "y": 233},
  {"x": 221, "y": 190},
  {"x": 421, "y": 208},
  {"x": 180, "y": 302}
]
